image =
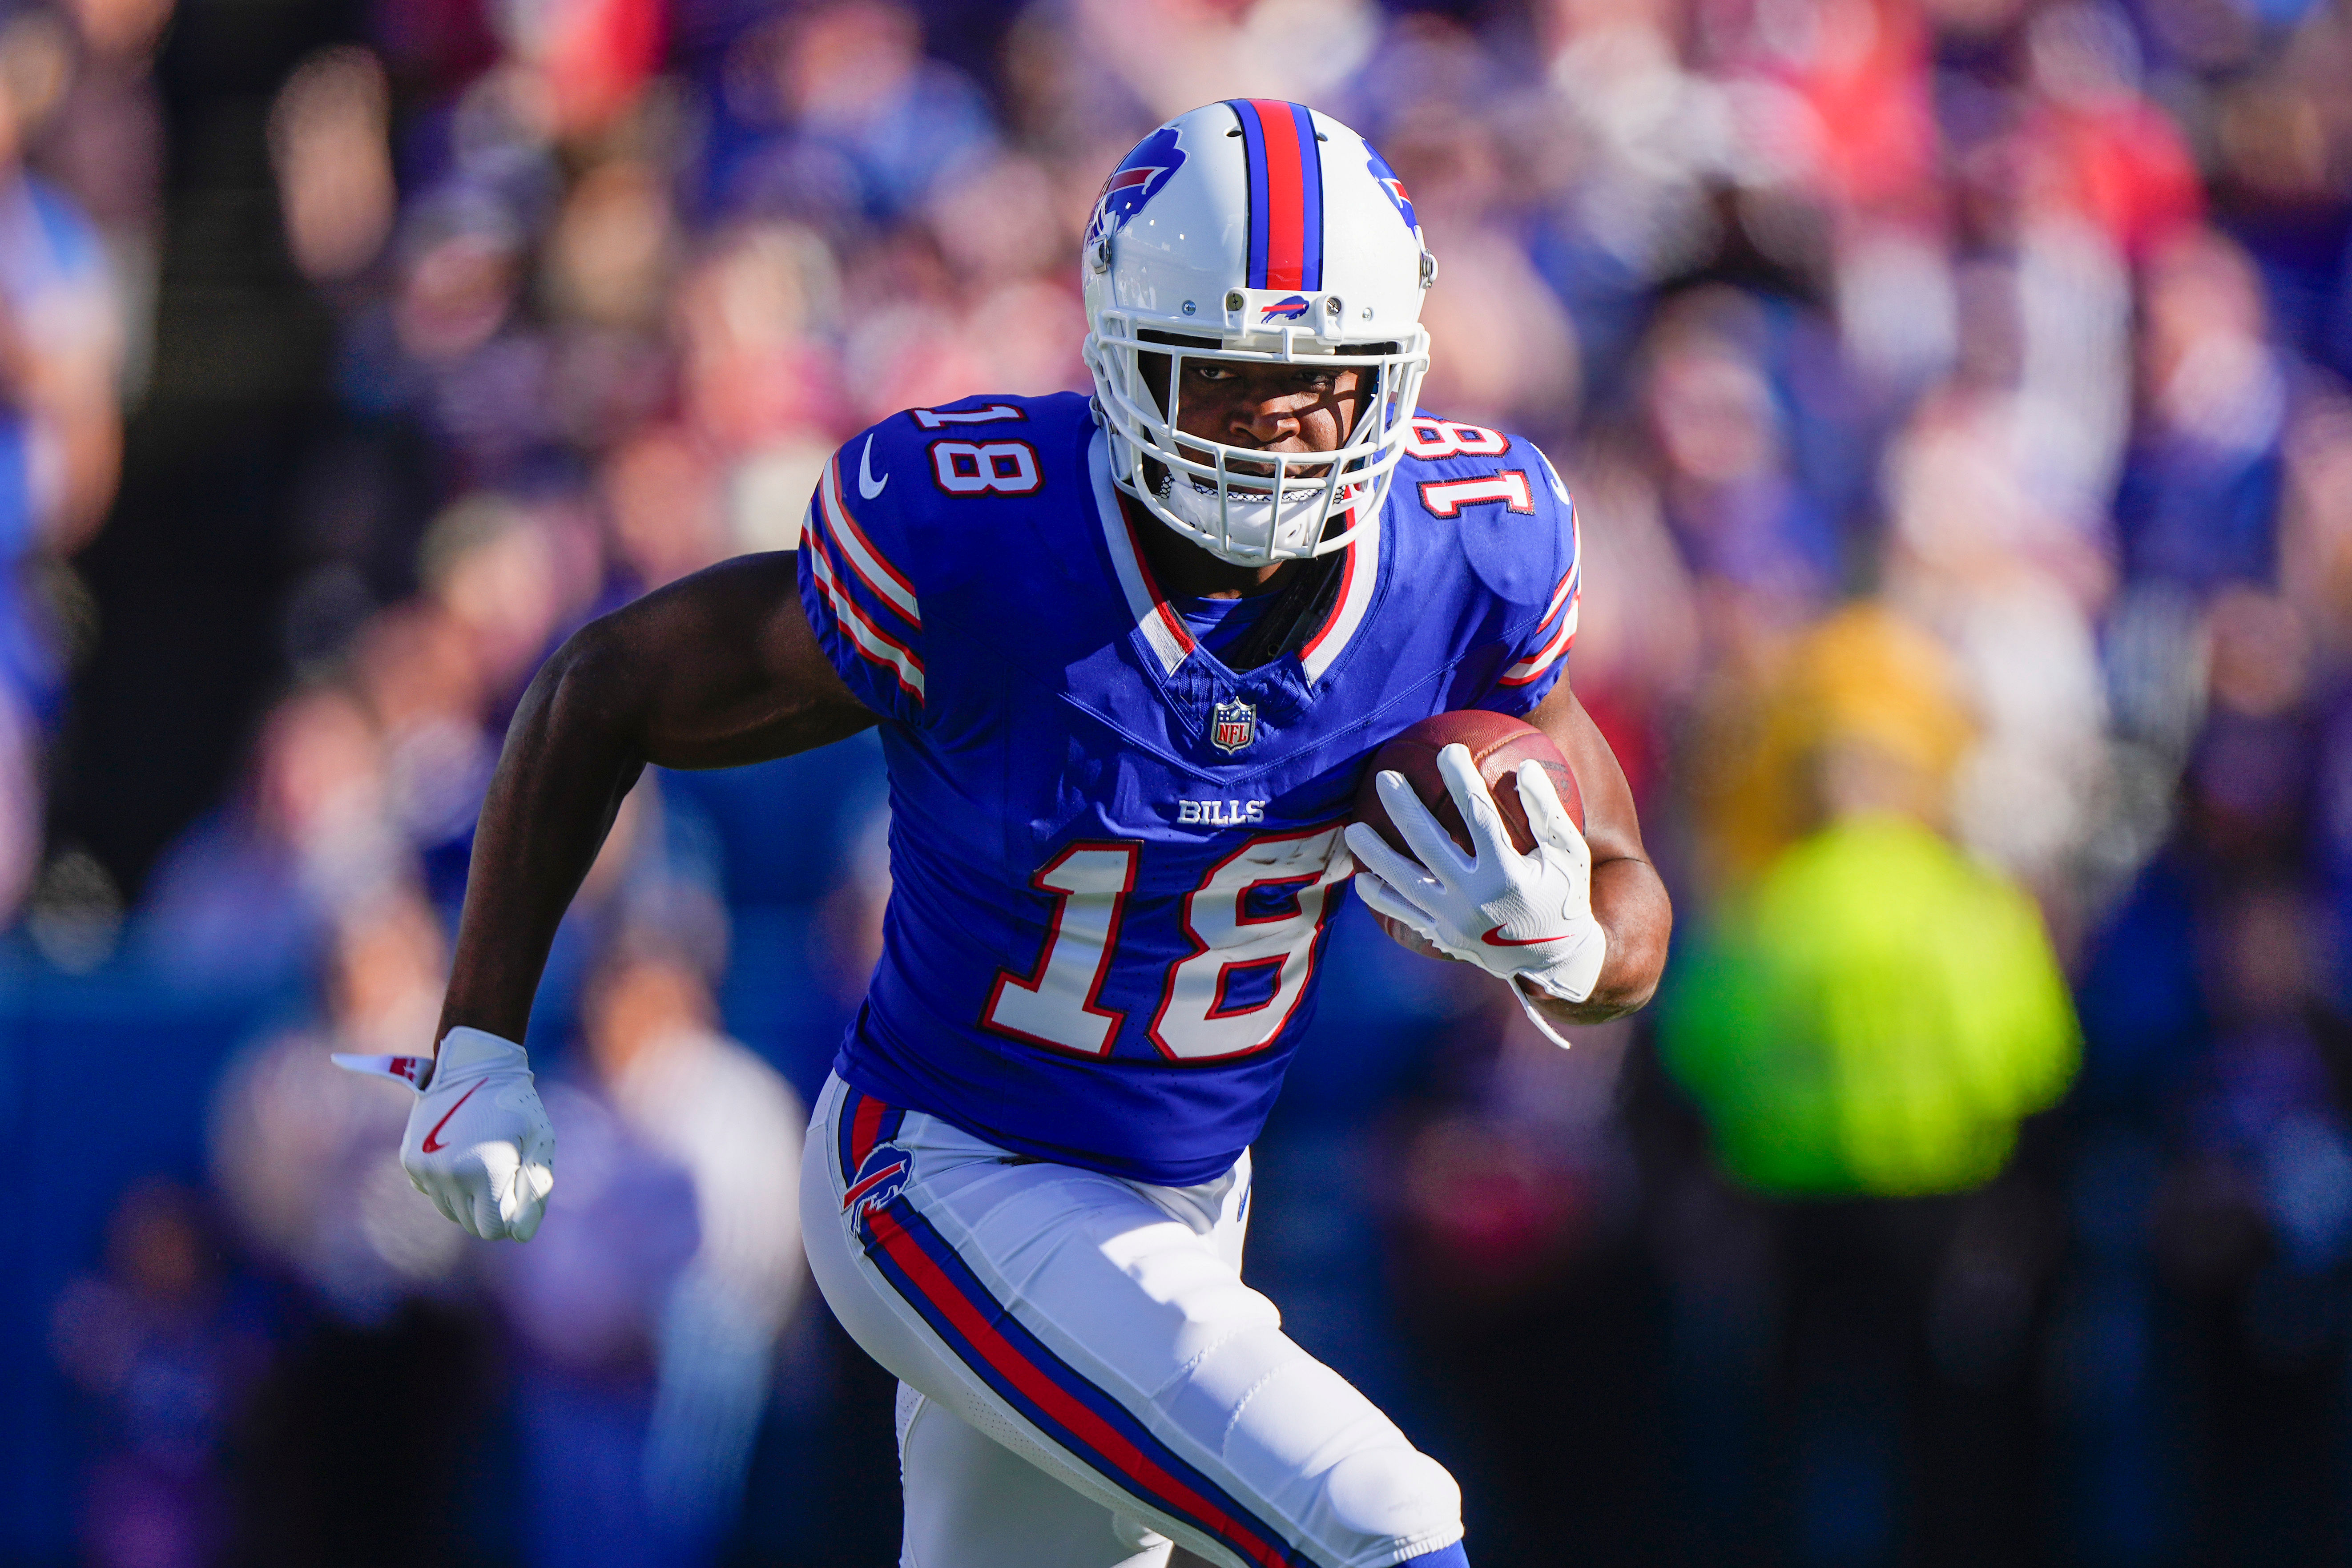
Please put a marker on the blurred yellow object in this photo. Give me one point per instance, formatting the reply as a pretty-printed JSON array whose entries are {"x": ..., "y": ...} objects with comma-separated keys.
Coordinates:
[
  {"x": 1865, "y": 681},
  {"x": 1874, "y": 1016}
]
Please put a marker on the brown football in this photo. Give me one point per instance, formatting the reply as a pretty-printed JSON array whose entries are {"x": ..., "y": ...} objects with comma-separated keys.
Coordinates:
[{"x": 1497, "y": 745}]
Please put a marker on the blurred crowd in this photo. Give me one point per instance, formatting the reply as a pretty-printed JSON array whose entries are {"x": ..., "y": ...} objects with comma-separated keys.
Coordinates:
[{"x": 1955, "y": 397}]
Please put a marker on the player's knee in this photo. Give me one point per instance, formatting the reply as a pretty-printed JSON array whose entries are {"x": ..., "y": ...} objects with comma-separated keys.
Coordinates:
[{"x": 1396, "y": 1495}]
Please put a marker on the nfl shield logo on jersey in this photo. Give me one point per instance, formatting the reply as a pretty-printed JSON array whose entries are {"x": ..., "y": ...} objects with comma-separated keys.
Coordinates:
[{"x": 1232, "y": 725}]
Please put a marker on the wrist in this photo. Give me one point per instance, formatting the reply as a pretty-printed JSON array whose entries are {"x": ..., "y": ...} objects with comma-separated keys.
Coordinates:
[
  {"x": 1575, "y": 974},
  {"x": 467, "y": 1049}
]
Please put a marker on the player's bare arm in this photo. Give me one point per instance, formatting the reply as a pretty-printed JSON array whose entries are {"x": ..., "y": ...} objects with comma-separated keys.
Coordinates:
[
  {"x": 718, "y": 670},
  {"x": 1629, "y": 899}
]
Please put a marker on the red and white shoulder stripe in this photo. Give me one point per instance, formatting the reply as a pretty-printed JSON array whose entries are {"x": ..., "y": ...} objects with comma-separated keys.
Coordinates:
[
  {"x": 1557, "y": 627},
  {"x": 872, "y": 600},
  {"x": 883, "y": 580}
]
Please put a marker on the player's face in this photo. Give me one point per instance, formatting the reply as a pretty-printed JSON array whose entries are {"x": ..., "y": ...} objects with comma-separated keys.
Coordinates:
[{"x": 1272, "y": 407}]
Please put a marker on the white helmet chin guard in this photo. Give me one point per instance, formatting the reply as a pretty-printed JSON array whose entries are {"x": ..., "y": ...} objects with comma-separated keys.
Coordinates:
[{"x": 1254, "y": 232}]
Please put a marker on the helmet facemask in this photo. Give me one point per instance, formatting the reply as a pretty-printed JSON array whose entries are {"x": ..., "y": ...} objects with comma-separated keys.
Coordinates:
[{"x": 1243, "y": 504}]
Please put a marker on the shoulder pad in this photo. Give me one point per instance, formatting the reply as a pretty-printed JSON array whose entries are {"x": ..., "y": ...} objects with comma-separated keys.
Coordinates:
[{"x": 1511, "y": 512}]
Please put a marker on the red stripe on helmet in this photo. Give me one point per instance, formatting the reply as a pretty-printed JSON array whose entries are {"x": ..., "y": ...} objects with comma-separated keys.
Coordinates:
[{"x": 1286, "y": 195}]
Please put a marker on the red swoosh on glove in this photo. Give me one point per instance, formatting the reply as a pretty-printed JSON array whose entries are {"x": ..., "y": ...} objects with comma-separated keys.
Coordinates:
[
  {"x": 430, "y": 1147},
  {"x": 1494, "y": 938}
]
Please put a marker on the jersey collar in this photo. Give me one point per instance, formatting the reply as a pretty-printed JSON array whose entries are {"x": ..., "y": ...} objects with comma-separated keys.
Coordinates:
[{"x": 1163, "y": 631}]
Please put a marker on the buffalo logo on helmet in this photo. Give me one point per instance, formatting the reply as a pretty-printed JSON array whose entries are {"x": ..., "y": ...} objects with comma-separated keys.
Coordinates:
[
  {"x": 1290, "y": 310},
  {"x": 1393, "y": 188},
  {"x": 1136, "y": 181},
  {"x": 1232, "y": 725}
]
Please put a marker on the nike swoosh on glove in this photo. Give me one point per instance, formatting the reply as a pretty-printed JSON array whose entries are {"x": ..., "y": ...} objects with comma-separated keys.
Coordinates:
[
  {"x": 1518, "y": 916},
  {"x": 479, "y": 1142}
]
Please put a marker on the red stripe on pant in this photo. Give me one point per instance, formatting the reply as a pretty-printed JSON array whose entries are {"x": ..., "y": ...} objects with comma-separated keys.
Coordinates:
[
  {"x": 1050, "y": 1396},
  {"x": 1285, "y": 196},
  {"x": 865, "y": 1130}
]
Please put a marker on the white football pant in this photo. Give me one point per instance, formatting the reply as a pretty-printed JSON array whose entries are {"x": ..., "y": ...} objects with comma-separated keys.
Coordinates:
[{"x": 1084, "y": 1377}]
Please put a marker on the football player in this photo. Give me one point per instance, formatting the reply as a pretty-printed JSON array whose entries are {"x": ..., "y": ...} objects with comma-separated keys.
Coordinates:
[{"x": 1128, "y": 653}]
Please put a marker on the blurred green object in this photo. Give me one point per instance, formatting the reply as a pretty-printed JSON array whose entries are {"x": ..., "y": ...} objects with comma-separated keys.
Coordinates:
[{"x": 1874, "y": 1016}]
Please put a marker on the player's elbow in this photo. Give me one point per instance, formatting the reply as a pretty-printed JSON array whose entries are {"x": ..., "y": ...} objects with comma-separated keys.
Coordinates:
[
  {"x": 1608, "y": 1002},
  {"x": 1640, "y": 921},
  {"x": 586, "y": 693}
]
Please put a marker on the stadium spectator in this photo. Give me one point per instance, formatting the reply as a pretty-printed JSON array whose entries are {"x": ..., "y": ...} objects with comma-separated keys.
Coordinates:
[
  {"x": 652, "y": 1319},
  {"x": 164, "y": 1354}
]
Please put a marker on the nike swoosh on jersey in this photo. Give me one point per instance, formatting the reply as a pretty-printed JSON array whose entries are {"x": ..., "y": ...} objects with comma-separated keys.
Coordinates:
[
  {"x": 430, "y": 1146},
  {"x": 1494, "y": 938},
  {"x": 867, "y": 485}
]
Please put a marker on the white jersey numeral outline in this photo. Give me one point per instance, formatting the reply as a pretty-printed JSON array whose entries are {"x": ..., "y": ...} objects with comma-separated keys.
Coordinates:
[
  {"x": 1196, "y": 1021},
  {"x": 1058, "y": 1004},
  {"x": 1446, "y": 497},
  {"x": 936, "y": 419},
  {"x": 985, "y": 467},
  {"x": 1432, "y": 439}
]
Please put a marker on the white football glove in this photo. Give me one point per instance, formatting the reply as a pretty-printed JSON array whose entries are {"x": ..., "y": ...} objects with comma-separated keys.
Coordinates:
[
  {"x": 1518, "y": 916},
  {"x": 479, "y": 1142}
]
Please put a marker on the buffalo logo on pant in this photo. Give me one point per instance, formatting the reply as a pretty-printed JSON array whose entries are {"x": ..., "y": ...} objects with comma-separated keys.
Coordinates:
[{"x": 880, "y": 1178}]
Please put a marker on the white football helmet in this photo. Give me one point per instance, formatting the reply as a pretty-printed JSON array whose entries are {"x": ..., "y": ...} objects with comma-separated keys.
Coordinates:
[{"x": 1259, "y": 232}]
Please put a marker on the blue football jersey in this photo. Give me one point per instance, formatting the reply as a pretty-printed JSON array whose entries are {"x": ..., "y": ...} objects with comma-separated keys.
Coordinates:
[{"x": 1113, "y": 858}]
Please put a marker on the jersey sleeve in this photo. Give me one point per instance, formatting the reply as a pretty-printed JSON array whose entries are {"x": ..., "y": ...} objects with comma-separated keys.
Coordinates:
[
  {"x": 1538, "y": 640},
  {"x": 857, "y": 585}
]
